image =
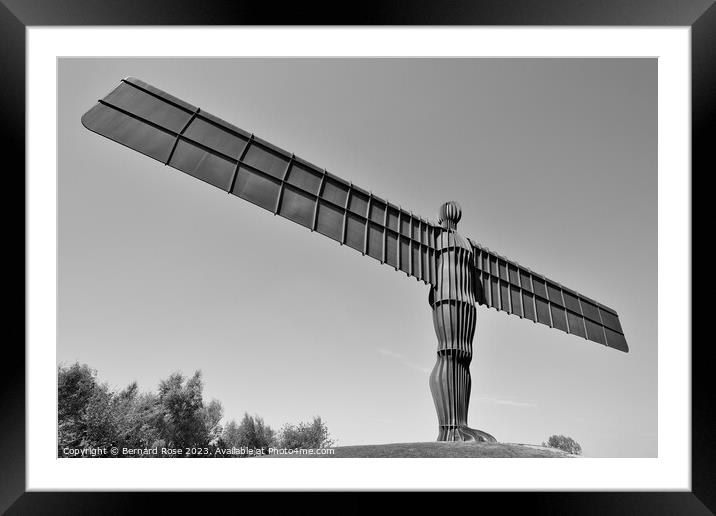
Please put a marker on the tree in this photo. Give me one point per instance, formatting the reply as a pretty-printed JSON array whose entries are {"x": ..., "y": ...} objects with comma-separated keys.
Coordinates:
[
  {"x": 251, "y": 433},
  {"x": 230, "y": 436},
  {"x": 212, "y": 414},
  {"x": 564, "y": 443},
  {"x": 90, "y": 414},
  {"x": 76, "y": 385},
  {"x": 101, "y": 419},
  {"x": 184, "y": 422},
  {"x": 139, "y": 416},
  {"x": 306, "y": 435}
]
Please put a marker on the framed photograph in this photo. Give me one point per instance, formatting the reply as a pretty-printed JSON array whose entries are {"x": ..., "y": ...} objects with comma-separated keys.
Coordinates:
[{"x": 460, "y": 246}]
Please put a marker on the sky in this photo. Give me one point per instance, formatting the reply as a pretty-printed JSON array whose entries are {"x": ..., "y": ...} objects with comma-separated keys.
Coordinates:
[{"x": 554, "y": 162}]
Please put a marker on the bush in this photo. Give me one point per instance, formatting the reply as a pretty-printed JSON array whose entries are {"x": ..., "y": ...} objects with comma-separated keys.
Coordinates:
[
  {"x": 184, "y": 420},
  {"x": 306, "y": 435},
  {"x": 251, "y": 433},
  {"x": 564, "y": 443},
  {"x": 90, "y": 415}
]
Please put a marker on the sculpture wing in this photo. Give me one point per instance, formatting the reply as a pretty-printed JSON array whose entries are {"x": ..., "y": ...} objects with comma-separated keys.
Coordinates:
[
  {"x": 507, "y": 286},
  {"x": 180, "y": 135}
]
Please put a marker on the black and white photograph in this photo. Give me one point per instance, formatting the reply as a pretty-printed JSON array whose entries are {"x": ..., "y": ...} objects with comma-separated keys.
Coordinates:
[
  {"x": 449, "y": 246},
  {"x": 357, "y": 258}
]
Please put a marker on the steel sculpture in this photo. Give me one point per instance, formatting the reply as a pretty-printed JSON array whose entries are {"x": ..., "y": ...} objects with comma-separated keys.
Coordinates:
[{"x": 459, "y": 272}]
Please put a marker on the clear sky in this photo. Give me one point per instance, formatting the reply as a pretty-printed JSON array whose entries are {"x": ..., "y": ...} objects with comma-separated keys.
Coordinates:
[{"x": 554, "y": 162}]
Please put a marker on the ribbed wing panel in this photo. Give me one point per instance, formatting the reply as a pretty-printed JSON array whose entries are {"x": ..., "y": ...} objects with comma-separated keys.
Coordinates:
[
  {"x": 184, "y": 137},
  {"x": 507, "y": 286}
]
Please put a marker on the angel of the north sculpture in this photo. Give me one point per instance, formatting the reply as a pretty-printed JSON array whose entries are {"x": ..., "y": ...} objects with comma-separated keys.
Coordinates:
[{"x": 459, "y": 272}]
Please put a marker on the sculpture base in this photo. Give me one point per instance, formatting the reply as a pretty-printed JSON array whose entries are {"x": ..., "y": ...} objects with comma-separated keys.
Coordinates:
[{"x": 464, "y": 433}]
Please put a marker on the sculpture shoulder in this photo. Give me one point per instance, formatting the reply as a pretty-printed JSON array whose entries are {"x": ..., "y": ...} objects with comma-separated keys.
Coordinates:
[{"x": 450, "y": 239}]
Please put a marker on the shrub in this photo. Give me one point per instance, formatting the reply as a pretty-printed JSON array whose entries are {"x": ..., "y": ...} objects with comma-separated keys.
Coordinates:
[
  {"x": 306, "y": 435},
  {"x": 251, "y": 433},
  {"x": 92, "y": 415},
  {"x": 564, "y": 443}
]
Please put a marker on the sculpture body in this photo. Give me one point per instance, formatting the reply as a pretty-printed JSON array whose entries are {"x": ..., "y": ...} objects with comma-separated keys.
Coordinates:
[{"x": 454, "y": 318}]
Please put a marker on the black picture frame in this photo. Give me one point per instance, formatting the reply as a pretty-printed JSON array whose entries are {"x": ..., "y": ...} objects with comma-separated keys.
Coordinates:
[{"x": 16, "y": 15}]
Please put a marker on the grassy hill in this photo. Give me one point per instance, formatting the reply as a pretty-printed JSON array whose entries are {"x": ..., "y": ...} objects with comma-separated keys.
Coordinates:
[{"x": 441, "y": 450}]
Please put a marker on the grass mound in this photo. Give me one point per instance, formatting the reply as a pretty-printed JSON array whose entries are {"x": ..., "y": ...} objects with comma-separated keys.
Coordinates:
[{"x": 444, "y": 450}]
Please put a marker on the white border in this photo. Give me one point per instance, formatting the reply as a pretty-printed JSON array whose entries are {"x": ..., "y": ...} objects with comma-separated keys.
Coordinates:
[{"x": 671, "y": 470}]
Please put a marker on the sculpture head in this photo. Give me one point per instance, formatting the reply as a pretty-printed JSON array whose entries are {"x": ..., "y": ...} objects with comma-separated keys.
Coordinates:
[{"x": 449, "y": 215}]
